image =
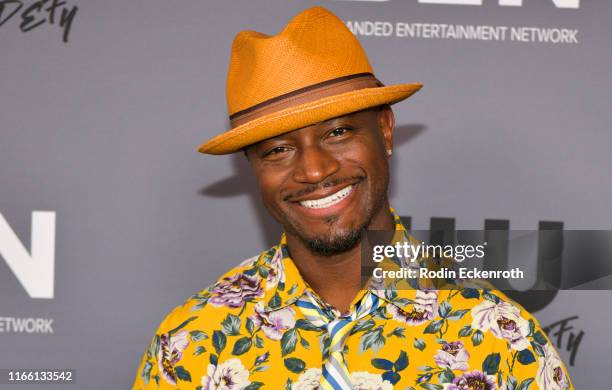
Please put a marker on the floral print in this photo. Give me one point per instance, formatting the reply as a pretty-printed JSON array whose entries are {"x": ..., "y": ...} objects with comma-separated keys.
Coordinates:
[
  {"x": 366, "y": 381},
  {"x": 425, "y": 308},
  {"x": 361, "y": 380},
  {"x": 231, "y": 375},
  {"x": 504, "y": 321},
  {"x": 309, "y": 380},
  {"x": 474, "y": 380},
  {"x": 275, "y": 323},
  {"x": 551, "y": 375},
  {"x": 246, "y": 332},
  {"x": 453, "y": 355},
  {"x": 170, "y": 352},
  {"x": 235, "y": 290},
  {"x": 276, "y": 272}
]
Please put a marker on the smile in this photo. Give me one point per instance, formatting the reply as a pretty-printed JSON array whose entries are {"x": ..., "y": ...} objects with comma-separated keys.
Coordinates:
[{"x": 328, "y": 201}]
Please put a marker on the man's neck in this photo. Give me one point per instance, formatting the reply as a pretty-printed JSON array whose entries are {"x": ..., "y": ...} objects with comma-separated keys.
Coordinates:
[{"x": 337, "y": 278}]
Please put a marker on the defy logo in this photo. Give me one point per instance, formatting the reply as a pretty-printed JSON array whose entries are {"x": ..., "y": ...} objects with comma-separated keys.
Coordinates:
[
  {"x": 507, "y": 3},
  {"x": 35, "y": 270},
  {"x": 36, "y": 14}
]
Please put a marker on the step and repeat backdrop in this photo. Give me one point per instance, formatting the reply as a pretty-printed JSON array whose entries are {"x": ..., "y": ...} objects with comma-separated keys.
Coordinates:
[{"x": 109, "y": 217}]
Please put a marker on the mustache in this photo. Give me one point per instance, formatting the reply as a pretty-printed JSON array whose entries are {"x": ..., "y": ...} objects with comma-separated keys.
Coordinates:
[{"x": 325, "y": 184}]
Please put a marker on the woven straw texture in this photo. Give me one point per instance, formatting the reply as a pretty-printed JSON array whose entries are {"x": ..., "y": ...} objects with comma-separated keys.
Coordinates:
[{"x": 314, "y": 47}]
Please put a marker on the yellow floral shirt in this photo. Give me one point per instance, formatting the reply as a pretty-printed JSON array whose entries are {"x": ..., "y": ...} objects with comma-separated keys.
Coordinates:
[{"x": 245, "y": 332}]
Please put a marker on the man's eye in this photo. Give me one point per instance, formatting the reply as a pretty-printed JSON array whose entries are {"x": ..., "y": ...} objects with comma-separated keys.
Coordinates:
[
  {"x": 339, "y": 131},
  {"x": 276, "y": 151}
]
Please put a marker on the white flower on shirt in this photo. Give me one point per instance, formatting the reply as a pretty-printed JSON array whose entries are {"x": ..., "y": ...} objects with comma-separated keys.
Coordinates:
[
  {"x": 276, "y": 271},
  {"x": 170, "y": 352},
  {"x": 550, "y": 371},
  {"x": 274, "y": 323},
  {"x": 425, "y": 308},
  {"x": 454, "y": 356},
  {"x": 503, "y": 320},
  {"x": 230, "y": 375},
  {"x": 309, "y": 380},
  {"x": 362, "y": 380}
]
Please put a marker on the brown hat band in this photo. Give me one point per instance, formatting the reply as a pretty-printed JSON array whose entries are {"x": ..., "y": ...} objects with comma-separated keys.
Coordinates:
[{"x": 305, "y": 95}]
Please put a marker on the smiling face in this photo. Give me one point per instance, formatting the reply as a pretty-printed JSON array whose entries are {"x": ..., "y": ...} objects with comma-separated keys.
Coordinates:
[{"x": 326, "y": 182}]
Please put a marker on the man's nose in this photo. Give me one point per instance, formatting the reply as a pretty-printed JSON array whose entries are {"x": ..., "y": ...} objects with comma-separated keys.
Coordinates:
[{"x": 315, "y": 165}]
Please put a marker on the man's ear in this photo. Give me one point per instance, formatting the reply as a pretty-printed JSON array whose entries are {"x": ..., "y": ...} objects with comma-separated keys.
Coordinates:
[{"x": 386, "y": 124}]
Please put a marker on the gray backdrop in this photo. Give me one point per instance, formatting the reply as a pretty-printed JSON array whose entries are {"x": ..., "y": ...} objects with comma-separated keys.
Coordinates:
[{"x": 102, "y": 130}]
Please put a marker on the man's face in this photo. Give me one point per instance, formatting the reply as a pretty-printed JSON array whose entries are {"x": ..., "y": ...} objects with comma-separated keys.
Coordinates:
[{"x": 324, "y": 183}]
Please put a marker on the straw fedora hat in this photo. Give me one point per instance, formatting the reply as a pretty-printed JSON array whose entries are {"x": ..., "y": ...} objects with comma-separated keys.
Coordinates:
[{"x": 313, "y": 70}]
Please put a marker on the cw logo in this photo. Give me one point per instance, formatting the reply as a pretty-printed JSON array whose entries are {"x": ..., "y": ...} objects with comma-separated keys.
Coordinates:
[
  {"x": 36, "y": 270},
  {"x": 507, "y": 3}
]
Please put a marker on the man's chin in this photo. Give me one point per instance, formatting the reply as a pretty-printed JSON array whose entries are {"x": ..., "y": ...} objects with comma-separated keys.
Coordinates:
[
  {"x": 333, "y": 245},
  {"x": 333, "y": 234}
]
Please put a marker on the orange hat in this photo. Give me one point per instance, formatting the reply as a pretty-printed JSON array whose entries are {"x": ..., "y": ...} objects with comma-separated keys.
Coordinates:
[{"x": 312, "y": 71}]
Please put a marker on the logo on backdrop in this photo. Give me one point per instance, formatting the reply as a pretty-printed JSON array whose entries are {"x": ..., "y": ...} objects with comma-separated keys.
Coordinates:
[
  {"x": 35, "y": 270},
  {"x": 551, "y": 250},
  {"x": 508, "y": 3},
  {"x": 26, "y": 325},
  {"x": 34, "y": 14},
  {"x": 478, "y": 32}
]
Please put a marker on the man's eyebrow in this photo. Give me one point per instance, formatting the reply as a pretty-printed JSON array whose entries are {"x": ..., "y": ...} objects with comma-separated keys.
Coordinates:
[{"x": 336, "y": 120}]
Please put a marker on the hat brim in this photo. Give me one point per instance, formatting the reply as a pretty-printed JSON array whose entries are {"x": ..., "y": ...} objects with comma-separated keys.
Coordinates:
[{"x": 306, "y": 114}]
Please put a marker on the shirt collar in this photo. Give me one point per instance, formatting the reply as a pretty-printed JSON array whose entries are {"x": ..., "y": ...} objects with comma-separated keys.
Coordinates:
[{"x": 283, "y": 284}]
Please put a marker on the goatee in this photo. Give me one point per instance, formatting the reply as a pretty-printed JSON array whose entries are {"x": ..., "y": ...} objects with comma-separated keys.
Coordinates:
[{"x": 334, "y": 244}]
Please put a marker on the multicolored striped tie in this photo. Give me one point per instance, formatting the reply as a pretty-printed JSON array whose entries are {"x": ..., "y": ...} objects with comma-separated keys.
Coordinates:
[{"x": 335, "y": 372}]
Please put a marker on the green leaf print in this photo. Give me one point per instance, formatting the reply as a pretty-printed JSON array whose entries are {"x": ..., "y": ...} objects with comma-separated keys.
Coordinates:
[
  {"x": 295, "y": 365},
  {"x": 401, "y": 362},
  {"x": 288, "y": 341},
  {"x": 526, "y": 357},
  {"x": 382, "y": 364},
  {"x": 197, "y": 335},
  {"x": 219, "y": 341},
  {"x": 182, "y": 374},
  {"x": 419, "y": 344},
  {"x": 477, "y": 338},
  {"x": 491, "y": 363},
  {"x": 242, "y": 345},
  {"x": 231, "y": 325}
]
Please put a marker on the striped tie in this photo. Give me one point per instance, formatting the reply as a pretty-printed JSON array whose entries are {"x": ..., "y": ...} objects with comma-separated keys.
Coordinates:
[{"x": 335, "y": 373}]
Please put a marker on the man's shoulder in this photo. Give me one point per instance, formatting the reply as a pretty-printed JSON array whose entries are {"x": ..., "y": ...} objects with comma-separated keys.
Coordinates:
[
  {"x": 211, "y": 305},
  {"x": 202, "y": 325}
]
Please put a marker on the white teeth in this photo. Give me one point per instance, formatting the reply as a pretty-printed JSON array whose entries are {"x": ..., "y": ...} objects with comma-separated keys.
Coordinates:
[{"x": 328, "y": 200}]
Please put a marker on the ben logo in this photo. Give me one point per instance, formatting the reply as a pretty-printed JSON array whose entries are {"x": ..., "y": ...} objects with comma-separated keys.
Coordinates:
[
  {"x": 35, "y": 270},
  {"x": 507, "y": 3}
]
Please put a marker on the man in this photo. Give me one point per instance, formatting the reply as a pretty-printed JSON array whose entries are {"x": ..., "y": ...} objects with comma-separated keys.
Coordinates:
[{"x": 316, "y": 127}]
